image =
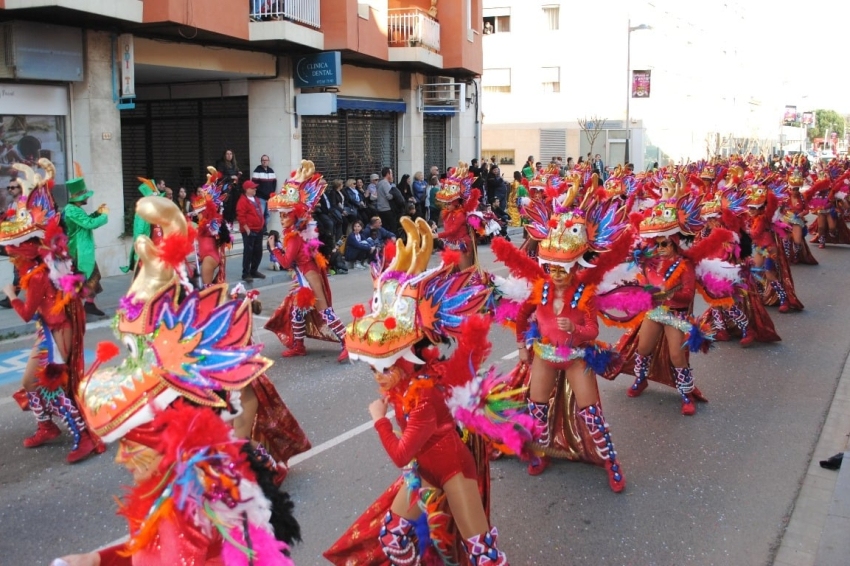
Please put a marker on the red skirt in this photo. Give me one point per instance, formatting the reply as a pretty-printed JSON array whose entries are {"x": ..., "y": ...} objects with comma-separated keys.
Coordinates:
[
  {"x": 275, "y": 427},
  {"x": 281, "y": 323}
]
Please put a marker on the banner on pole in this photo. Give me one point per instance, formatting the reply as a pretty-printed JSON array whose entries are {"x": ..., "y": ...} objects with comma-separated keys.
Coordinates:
[
  {"x": 808, "y": 119},
  {"x": 790, "y": 114},
  {"x": 640, "y": 84}
]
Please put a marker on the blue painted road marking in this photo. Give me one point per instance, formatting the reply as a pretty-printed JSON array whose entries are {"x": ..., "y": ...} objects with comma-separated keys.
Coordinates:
[{"x": 12, "y": 364}]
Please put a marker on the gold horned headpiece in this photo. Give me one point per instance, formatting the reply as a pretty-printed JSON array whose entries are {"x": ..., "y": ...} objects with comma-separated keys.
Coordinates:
[{"x": 411, "y": 302}]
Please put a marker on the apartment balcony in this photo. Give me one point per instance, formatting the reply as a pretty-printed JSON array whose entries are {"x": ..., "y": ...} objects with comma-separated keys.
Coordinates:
[
  {"x": 413, "y": 36},
  {"x": 296, "y": 21},
  {"x": 127, "y": 10}
]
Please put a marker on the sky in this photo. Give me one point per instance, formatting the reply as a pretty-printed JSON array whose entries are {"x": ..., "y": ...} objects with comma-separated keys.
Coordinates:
[{"x": 775, "y": 53}]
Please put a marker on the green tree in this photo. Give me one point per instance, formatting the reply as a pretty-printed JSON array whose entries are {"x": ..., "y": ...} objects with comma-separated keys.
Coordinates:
[{"x": 826, "y": 120}]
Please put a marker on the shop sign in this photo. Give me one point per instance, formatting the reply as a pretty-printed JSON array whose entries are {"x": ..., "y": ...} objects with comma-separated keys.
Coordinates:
[{"x": 320, "y": 69}]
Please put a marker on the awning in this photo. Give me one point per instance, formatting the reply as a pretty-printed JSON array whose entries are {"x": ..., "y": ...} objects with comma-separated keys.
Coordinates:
[
  {"x": 440, "y": 110},
  {"x": 376, "y": 105}
]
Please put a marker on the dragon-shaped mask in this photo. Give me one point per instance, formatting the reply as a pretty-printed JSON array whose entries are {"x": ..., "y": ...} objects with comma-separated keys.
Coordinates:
[
  {"x": 411, "y": 302},
  {"x": 456, "y": 185},
  {"x": 35, "y": 207},
  {"x": 190, "y": 347},
  {"x": 301, "y": 192},
  {"x": 567, "y": 232}
]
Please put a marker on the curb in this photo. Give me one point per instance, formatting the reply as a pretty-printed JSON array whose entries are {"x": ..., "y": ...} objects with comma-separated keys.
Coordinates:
[{"x": 816, "y": 533}]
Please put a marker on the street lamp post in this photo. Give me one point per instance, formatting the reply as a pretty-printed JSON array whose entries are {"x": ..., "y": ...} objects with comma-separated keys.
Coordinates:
[{"x": 629, "y": 83}]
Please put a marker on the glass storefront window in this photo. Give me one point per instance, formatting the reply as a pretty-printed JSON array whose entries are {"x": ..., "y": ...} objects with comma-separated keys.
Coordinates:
[{"x": 26, "y": 139}]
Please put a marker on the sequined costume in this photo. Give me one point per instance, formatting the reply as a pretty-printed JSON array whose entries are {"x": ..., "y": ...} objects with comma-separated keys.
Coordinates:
[
  {"x": 200, "y": 496},
  {"x": 413, "y": 307},
  {"x": 298, "y": 316},
  {"x": 37, "y": 245}
]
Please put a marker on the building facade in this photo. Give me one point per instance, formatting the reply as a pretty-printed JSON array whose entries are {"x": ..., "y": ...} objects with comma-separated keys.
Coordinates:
[
  {"x": 162, "y": 88},
  {"x": 558, "y": 81}
]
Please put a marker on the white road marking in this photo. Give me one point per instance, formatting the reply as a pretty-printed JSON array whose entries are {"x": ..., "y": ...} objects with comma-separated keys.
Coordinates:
[
  {"x": 512, "y": 355},
  {"x": 316, "y": 450}
]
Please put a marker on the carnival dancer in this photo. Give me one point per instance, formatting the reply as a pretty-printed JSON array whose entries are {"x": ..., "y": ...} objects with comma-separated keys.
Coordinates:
[
  {"x": 823, "y": 198},
  {"x": 769, "y": 262},
  {"x": 560, "y": 343},
  {"x": 200, "y": 495},
  {"x": 658, "y": 349},
  {"x": 37, "y": 246},
  {"x": 794, "y": 210},
  {"x": 265, "y": 419},
  {"x": 80, "y": 226},
  {"x": 141, "y": 226},
  {"x": 213, "y": 236},
  {"x": 444, "y": 490},
  {"x": 462, "y": 221},
  {"x": 307, "y": 310},
  {"x": 732, "y": 311}
]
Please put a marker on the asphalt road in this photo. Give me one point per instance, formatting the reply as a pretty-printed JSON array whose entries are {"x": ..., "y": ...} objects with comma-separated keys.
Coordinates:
[{"x": 715, "y": 489}]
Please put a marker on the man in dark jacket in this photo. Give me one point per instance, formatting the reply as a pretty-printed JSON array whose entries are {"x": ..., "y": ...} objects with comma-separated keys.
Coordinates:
[
  {"x": 496, "y": 187},
  {"x": 265, "y": 179}
]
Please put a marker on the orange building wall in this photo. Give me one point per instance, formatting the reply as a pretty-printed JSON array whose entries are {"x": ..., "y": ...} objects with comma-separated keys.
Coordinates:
[
  {"x": 224, "y": 17},
  {"x": 345, "y": 30},
  {"x": 458, "y": 52},
  {"x": 424, "y": 5}
]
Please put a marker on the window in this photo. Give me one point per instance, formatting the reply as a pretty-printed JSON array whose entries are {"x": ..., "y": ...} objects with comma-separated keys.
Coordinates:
[
  {"x": 496, "y": 80},
  {"x": 550, "y": 78},
  {"x": 503, "y": 156},
  {"x": 497, "y": 20},
  {"x": 552, "y": 17}
]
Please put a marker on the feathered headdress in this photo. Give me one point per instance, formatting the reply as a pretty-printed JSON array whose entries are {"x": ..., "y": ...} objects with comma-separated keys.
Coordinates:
[
  {"x": 34, "y": 209},
  {"x": 301, "y": 192},
  {"x": 456, "y": 185}
]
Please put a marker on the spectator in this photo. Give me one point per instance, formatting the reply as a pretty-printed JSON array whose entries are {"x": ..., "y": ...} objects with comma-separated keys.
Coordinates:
[
  {"x": 599, "y": 167},
  {"x": 420, "y": 192},
  {"x": 493, "y": 161},
  {"x": 182, "y": 201},
  {"x": 10, "y": 209},
  {"x": 167, "y": 192},
  {"x": 385, "y": 197},
  {"x": 325, "y": 221},
  {"x": 273, "y": 242},
  {"x": 528, "y": 169},
  {"x": 356, "y": 201},
  {"x": 378, "y": 234},
  {"x": 251, "y": 214},
  {"x": 228, "y": 166},
  {"x": 570, "y": 164},
  {"x": 496, "y": 186},
  {"x": 406, "y": 190},
  {"x": 265, "y": 179},
  {"x": 358, "y": 249},
  {"x": 433, "y": 207},
  {"x": 434, "y": 172},
  {"x": 502, "y": 217},
  {"x": 345, "y": 211},
  {"x": 488, "y": 28},
  {"x": 372, "y": 194}
]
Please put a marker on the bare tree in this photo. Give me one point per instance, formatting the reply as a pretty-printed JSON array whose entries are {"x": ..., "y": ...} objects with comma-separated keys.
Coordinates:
[{"x": 592, "y": 128}]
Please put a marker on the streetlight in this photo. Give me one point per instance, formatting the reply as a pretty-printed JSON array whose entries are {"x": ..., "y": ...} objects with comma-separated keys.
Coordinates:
[{"x": 629, "y": 83}]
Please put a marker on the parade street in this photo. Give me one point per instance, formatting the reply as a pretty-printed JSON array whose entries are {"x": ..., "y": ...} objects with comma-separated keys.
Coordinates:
[{"x": 715, "y": 489}]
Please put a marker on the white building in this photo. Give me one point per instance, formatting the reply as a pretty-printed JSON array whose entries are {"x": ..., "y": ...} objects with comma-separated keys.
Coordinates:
[{"x": 549, "y": 65}]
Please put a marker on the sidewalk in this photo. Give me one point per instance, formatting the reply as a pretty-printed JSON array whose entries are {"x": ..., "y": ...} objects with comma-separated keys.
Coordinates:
[
  {"x": 116, "y": 286},
  {"x": 817, "y": 532}
]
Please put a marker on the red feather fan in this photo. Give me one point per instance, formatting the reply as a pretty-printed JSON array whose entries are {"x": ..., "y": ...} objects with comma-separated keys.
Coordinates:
[
  {"x": 731, "y": 220},
  {"x": 473, "y": 347},
  {"x": 305, "y": 298},
  {"x": 519, "y": 264},
  {"x": 176, "y": 247},
  {"x": 635, "y": 218},
  {"x": 450, "y": 257},
  {"x": 608, "y": 260},
  {"x": 708, "y": 246},
  {"x": 471, "y": 204}
]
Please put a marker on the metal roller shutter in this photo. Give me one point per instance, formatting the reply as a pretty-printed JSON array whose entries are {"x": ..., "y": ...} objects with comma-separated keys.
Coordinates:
[
  {"x": 435, "y": 142},
  {"x": 175, "y": 140},
  {"x": 323, "y": 143},
  {"x": 553, "y": 143},
  {"x": 355, "y": 143}
]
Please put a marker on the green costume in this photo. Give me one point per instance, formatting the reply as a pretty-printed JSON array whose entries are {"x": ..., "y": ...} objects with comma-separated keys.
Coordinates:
[
  {"x": 140, "y": 225},
  {"x": 79, "y": 226},
  {"x": 528, "y": 171}
]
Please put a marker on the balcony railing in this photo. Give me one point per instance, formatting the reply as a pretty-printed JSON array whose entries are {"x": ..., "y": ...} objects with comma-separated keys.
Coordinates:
[
  {"x": 412, "y": 27},
  {"x": 302, "y": 11}
]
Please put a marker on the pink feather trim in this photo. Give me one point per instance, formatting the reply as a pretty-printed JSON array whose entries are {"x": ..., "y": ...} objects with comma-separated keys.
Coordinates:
[
  {"x": 68, "y": 283},
  {"x": 513, "y": 434},
  {"x": 717, "y": 287},
  {"x": 631, "y": 300},
  {"x": 507, "y": 311},
  {"x": 267, "y": 549}
]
